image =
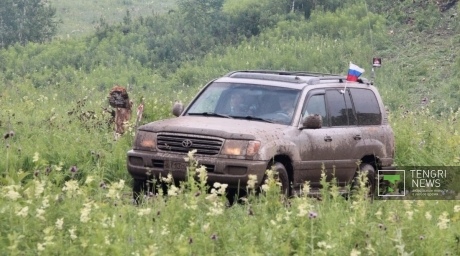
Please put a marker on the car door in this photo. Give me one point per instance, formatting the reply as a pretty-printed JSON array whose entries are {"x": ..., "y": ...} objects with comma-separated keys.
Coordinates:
[{"x": 331, "y": 146}]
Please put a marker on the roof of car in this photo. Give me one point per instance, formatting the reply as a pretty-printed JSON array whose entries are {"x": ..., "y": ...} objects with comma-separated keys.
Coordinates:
[{"x": 291, "y": 79}]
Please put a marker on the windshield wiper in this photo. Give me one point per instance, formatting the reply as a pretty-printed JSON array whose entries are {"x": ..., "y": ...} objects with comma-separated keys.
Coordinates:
[
  {"x": 209, "y": 114},
  {"x": 253, "y": 118}
]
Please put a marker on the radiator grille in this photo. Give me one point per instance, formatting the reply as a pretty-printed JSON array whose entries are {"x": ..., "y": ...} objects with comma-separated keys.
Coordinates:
[{"x": 184, "y": 143}]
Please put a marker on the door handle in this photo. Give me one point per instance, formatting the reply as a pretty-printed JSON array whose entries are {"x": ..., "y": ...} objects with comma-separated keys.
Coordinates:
[
  {"x": 357, "y": 137},
  {"x": 327, "y": 138}
]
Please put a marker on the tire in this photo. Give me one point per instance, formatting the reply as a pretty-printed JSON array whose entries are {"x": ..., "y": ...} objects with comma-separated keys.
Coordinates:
[
  {"x": 139, "y": 187},
  {"x": 282, "y": 175},
  {"x": 364, "y": 167}
]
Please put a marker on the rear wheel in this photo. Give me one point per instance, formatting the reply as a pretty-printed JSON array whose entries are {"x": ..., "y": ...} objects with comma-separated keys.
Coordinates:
[{"x": 370, "y": 170}]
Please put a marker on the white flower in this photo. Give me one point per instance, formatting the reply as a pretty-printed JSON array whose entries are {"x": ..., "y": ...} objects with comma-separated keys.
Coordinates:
[
  {"x": 89, "y": 179},
  {"x": 73, "y": 236},
  {"x": 59, "y": 223},
  {"x": 40, "y": 213},
  {"x": 12, "y": 194},
  {"x": 428, "y": 215},
  {"x": 36, "y": 157},
  {"x": 145, "y": 211},
  {"x": 252, "y": 180},
  {"x": 23, "y": 212},
  {"x": 173, "y": 191},
  {"x": 457, "y": 208},
  {"x": 355, "y": 252},
  {"x": 443, "y": 220},
  {"x": 84, "y": 216}
]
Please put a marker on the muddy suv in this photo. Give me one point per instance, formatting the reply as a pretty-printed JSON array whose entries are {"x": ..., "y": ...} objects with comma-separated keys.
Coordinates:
[{"x": 246, "y": 122}]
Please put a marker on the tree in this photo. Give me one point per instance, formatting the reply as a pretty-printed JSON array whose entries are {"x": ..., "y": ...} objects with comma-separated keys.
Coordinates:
[{"x": 23, "y": 21}]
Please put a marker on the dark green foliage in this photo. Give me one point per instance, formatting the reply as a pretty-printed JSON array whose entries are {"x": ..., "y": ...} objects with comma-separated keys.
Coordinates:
[{"x": 23, "y": 21}]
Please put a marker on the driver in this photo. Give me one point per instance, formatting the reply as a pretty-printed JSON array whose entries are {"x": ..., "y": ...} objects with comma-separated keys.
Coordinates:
[
  {"x": 237, "y": 107},
  {"x": 287, "y": 105}
]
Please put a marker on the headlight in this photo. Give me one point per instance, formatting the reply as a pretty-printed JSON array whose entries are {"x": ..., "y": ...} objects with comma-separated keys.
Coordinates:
[
  {"x": 241, "y": 147},
  {"x": 145, "y": 140}
]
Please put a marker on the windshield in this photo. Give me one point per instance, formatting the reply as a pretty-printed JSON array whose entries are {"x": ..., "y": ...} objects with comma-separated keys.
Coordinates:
[{"x": 246, "y": 101}]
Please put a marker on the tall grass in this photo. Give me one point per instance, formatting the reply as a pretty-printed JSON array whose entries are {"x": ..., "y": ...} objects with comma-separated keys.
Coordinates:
[{"x": 94, "y": 216}]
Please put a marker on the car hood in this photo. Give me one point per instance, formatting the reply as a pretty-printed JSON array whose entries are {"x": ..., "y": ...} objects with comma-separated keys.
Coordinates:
[{"x": 226, "y": 128}]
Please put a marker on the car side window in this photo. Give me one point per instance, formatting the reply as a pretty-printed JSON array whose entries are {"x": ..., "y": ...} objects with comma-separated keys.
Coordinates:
[
  {"x": 339, "y": 110},
  {"x": 317, "y": 105},
  {"x": 366, "y": 106}
]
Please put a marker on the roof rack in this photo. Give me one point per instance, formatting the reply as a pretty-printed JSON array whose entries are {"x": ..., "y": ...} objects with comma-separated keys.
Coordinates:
[
  {"x": 282, "y": 72},
  {"x": 290, "y": 76}
]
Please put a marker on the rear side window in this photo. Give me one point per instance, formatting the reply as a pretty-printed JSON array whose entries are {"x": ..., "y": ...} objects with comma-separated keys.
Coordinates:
[
  {"x": 366, "y": 107},
  {"x": 340, "y": 108}
]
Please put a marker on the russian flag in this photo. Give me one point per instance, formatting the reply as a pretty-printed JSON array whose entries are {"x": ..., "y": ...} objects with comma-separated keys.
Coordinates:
[{"x": 354, "y": 72}]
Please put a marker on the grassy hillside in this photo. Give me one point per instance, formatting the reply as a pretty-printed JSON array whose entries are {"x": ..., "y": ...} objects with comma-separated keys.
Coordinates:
[{"x": 80, "y": 18}]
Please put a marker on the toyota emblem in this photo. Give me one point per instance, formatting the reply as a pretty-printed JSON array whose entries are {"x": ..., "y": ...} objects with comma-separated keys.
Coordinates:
[{"x": 187, "y": 143}]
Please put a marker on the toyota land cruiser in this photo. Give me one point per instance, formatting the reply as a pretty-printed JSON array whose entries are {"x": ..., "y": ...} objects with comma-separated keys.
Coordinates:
[{"x": 298, "y": 123}]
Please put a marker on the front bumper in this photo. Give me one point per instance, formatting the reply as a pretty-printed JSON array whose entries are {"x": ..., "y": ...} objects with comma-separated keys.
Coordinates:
[{"x": 234, "y": 172}]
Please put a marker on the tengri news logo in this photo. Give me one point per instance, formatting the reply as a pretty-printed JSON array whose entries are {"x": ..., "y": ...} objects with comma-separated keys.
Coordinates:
[{"x": 393, "y": 178}]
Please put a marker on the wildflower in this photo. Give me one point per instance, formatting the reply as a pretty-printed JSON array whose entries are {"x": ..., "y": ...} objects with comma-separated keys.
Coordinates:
[
  {"x": 457, "y": 208},
  {"x": 265, "y": 187},
  {"x": 355, "y": 252},
  {"x": 220, "y": 188},
  {"x": 71, "y": 187},
  {"x": 36, "y": 157},
  {"x": 72, "y": 230},
  {"x": 410, "y": 215},
  {"x": 173, "y": 191},
  {"x": 84, "y": 216},
  {"x": 303, "y": 209},
  {"x": 306, "y": 188},
  {"x": 323, "y": 244},
  {"x": 41, "y": 246},
  {"x": 421, "y": 237},
  {"x": 39, "y": 188},
  {"x": 145, "y": 211},
  {"x": 9, "y": 134},
  {"x": 73, "y": 169},
  {"x": 252, "y": 180},
  {"x": 152, "y": 250},
  {"x": 216, "y": 209},
  {"x": 378, "y": 214},
  {"x": 443, "y": 220},
  {"x": 12, "y": 194},
  {"x": 59, "y": 223},
  {"x": 89, "y": 179},
  {"x": 312, "y": 215},
  {"x": 23, "y": 212},
  {"x": 168, "y": 179},
  {"x": 165, "y": 230},
  {"x": 190, "y": 155},
  {"x": 40, "y": 213},
  {"x": 205, "y": 227},
  {"x": 428, "y": 215}
]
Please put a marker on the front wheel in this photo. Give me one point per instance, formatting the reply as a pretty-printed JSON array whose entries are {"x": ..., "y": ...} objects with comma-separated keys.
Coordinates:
[{"x": 282, "y": 176}]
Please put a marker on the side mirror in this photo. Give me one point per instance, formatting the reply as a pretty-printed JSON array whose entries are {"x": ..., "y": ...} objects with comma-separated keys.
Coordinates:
[
  {"x": 313, "y": 121},
  {"x": 177, "y": 108}
]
